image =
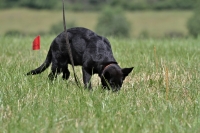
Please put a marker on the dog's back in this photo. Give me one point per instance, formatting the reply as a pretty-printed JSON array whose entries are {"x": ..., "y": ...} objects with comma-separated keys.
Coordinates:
[{"x": 86, "y": 46}]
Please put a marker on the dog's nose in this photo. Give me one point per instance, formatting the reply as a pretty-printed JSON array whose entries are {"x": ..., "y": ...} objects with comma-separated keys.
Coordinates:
[{"x": 115, "y": 88}]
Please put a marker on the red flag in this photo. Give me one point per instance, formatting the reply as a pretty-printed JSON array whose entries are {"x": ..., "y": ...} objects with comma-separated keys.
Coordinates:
[{"x": 36, "y": 43}]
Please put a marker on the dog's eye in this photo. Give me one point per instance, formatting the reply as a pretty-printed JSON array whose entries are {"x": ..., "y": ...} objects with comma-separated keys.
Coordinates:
[{"x": 112, "y": 83}]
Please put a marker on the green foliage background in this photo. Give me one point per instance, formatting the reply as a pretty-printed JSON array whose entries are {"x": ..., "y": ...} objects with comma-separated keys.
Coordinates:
[
  {"x": 126, "y": 5},
  {"x": 98, "y": 4},
  {"x": 113, "y": 22},
  {"x": 194, "y": 22}
]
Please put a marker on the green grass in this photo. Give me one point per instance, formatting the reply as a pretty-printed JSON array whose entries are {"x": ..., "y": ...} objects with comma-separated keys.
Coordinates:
[
  {"x": 152, "y": 23},
  {"x": 34, "y": 104}
]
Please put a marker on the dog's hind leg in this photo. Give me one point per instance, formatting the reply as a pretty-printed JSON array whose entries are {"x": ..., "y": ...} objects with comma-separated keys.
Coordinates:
[
  {"x": 66, "y": 73},
  {"x": 53, "y": 75},
  {"x": 55, "y": 70}
]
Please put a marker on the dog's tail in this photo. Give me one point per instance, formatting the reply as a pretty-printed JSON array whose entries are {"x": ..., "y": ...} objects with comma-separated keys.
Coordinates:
[{"x": 43, "y": 67}]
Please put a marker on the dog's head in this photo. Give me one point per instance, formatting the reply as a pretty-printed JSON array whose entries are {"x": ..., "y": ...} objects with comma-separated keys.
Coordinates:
[{"x": 112, "y": 76}]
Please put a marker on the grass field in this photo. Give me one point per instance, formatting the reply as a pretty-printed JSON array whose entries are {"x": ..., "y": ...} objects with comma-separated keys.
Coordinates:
[
  {"x": 161, "y": 95},
  {"x": 151, "y": 23}
]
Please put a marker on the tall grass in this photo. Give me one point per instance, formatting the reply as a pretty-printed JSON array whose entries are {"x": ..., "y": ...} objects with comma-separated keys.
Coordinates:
[{"x": 34, "y": 104}]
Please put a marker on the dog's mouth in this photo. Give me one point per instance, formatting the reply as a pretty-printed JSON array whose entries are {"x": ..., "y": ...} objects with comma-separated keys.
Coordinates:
[{"x": 115, "y": 89}]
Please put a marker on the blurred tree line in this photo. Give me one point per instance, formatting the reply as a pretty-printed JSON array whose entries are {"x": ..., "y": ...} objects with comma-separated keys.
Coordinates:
[
  {"x": 108, "y": 16},
  {"x": 80, "y": 5},
  {"x": 193, "y": 24}
]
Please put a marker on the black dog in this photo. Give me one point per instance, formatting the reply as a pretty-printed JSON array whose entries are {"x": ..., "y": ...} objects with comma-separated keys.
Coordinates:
[{"x": 91, "y": 51}]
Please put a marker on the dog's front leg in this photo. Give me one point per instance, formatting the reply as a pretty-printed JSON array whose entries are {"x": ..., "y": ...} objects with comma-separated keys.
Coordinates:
[{"x": 86, "y": 78}]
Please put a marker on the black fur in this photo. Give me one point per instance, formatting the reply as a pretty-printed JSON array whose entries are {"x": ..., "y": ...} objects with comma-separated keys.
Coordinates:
[{"x": 89, "y": 50}]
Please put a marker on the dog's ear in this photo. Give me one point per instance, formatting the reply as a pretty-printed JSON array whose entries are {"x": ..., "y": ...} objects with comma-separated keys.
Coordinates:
[{"x": 126, "y": 71}]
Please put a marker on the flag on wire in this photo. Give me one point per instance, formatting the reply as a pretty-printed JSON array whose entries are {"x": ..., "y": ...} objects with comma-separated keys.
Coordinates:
[{"x": 36, "y": 43}]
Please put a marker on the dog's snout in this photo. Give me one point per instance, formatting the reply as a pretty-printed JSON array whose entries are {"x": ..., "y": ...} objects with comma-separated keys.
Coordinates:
[{"x": 115, "y": 88}]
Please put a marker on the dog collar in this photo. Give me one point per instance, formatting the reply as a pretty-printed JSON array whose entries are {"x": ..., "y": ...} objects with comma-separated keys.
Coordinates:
[{"x": 106, "y": 67}]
